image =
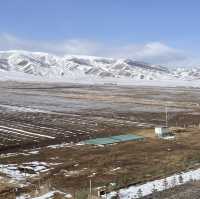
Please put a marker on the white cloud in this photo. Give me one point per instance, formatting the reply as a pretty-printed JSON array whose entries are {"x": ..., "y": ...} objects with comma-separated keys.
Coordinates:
[
  {"x": 10, "y": 42},
  {"x": 153, "y": 52}
]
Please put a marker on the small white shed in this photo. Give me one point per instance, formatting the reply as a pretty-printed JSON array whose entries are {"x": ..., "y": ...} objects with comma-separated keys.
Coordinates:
[{"x": 162, "y": 131}]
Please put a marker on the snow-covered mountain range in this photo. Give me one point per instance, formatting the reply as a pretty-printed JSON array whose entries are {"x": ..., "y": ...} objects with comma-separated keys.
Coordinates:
[{"x": 49, "y": 66}]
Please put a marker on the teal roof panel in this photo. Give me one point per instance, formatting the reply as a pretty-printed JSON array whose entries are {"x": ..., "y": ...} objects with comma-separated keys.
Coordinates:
[{"x": 114, "y": 139}]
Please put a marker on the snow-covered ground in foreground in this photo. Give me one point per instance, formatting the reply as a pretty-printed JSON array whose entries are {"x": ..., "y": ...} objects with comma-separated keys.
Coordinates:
[
  {"x": 49, "y": 195},
  {"x": 12, "y": 170},
  {"x": 157, "y": 185}
]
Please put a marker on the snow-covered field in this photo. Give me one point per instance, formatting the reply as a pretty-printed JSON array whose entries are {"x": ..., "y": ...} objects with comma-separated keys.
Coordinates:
[
  {"x": 92, "y": 80},
  {"x": 19, "y": 172},
  {"x": 49, "y": 195}
]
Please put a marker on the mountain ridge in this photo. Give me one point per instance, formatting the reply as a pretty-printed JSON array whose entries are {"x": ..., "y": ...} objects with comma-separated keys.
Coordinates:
[{"x": 48, "y": 65}]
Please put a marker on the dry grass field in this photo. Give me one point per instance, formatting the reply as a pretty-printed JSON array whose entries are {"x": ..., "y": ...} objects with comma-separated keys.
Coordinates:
[{"x": 42, "y": 124}]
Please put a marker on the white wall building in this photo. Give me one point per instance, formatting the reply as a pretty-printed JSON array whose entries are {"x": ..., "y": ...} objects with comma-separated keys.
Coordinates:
[{"x": 162, "y": 131}]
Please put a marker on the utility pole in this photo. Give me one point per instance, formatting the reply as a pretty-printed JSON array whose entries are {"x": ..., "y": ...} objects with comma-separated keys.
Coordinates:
[
  {"x": 39, "y": 184},
  {"x": 90, "y": 189},
  {"x": 166, "y": 116}
]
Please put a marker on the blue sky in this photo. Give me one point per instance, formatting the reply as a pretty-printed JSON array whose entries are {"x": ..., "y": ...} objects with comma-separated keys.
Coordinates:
[{"x": 143, "y": 29}]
